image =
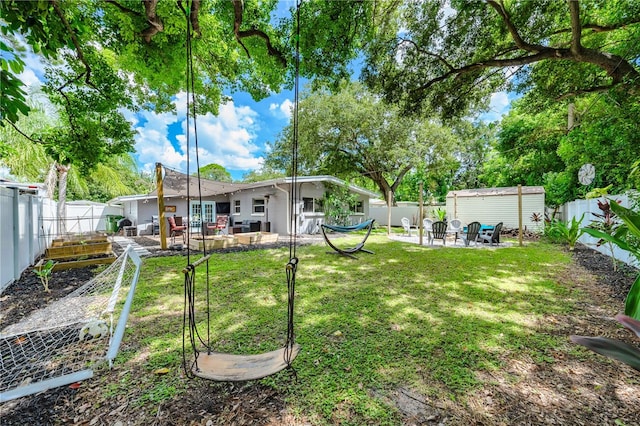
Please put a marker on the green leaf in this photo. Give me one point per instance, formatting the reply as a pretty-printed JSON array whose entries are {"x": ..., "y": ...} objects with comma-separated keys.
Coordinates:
[
  {"x": 607, "y": 237},
  {"x": 611, "y": 348},
  {"x": 632, "y": 304},
  {"x": 628, "y": 216}
]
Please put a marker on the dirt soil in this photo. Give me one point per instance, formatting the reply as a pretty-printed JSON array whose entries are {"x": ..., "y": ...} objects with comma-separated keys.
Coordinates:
[{"x": 568, "y": 390}]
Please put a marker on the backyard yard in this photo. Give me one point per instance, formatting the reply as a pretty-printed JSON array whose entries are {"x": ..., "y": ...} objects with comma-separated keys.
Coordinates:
[{"x": 408, "y": 335}]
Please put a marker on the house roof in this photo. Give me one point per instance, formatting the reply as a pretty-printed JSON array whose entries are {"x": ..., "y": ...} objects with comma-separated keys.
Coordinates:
[
  {"x": 489, "y": 192},
  {"x": 175, "y": 185},
  {"x": 311, "y": 179}
]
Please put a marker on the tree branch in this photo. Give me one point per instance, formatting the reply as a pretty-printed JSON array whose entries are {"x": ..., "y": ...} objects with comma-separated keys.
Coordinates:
[
  {"x": 427, "y": 53},
  {"x": 155, "y": 23},
  {"x": 576, "y": 29},
  {"x": 21, "y": 132},
  {"x": 515, "y": 35},
  {"x": 596, "y": 89},
  {"x": 238, "y": 9},
  {"x": 75, "y": 41},
  {"x": 123, "y": 8}
]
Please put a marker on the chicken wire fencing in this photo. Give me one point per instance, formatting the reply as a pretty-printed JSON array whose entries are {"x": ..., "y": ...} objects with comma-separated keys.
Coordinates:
[{"x": 65, "y": 341}]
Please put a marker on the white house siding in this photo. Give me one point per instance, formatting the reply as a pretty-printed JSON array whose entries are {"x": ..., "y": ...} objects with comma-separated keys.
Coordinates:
[{"x": 490, "y": 209}]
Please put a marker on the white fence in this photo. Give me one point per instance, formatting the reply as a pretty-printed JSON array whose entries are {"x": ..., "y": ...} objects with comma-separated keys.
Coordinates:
[
  {"x": 587, "y": 207},
  {"x": 29, "y": 222},
  {"x": 409, "y": 210}
]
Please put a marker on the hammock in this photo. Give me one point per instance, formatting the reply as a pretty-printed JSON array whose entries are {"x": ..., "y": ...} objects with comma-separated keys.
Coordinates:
[
  {"x": 64, "y": 342},
  {"x": 368, "y": 225},
  {"x": 205, "y": 362}
]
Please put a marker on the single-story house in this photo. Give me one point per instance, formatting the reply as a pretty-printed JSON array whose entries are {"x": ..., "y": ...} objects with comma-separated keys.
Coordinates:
[
  {"x": 263, "y": 206},
  {"x": 492, "y": 205}
]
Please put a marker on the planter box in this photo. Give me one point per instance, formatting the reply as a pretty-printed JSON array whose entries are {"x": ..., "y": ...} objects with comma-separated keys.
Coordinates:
[
  {"x": 256, "y": 238},
  {"x": 69, "y": 251},
  {"x": 70, "y": 264},
  {"x": 213, "y": 242},
  {"x": 79, "y": 239}
]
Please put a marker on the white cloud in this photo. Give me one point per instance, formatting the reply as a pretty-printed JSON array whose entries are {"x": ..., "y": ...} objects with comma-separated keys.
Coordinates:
[
  {"x": 282, "y": 110},
  {"x": 498, "y": 106},
  {"x": 227, "y": 139}
]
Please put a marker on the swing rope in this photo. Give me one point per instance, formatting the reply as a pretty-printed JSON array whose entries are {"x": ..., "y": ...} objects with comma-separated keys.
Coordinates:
[{"x": 266, "y": 363}]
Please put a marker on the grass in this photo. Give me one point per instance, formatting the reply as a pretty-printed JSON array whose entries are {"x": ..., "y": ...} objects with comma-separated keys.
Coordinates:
[{"x": 430, "y": 320}]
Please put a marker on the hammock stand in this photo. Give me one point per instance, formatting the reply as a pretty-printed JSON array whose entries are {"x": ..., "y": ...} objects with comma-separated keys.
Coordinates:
[
  {"x": 368, "y": 225},
  {"x": 219, "y": 366}
]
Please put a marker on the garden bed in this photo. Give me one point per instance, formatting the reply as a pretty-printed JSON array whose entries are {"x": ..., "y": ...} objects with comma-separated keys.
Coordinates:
[
  {"x": 256, "y": 238},
  {"x": 213, "y": 242}
]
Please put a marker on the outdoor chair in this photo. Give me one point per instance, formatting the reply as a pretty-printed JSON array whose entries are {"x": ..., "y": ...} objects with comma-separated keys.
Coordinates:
[
  {"x": 455, "y": 227},
  {"x": 406, "y": 225},
  {"x": 220, "y": 225},
  {"x": 426, "y": 226},
  {"x": 493, "y": 237},
  {"x": 439, "y": 232},
  {"x": 176, "y": 228},
  {"x": 155, "y": 225},
  {"x": 473, "y": 230}
]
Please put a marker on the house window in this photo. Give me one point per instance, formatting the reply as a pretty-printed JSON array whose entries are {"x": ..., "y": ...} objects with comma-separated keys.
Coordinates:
[
  {"x": 236, "y": 207},
  {"x": 311, "y": 205},
  {"x": 257, "y": 206},
  {"x": 358, "y": 207}
]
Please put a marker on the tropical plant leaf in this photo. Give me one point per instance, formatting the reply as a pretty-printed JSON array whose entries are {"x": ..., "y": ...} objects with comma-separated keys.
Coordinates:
[
  {"x": 628, "y": 216},
  {"x": 630, "y": 323},
  {"x": 611, "y": 348},
  {"x": 607, "y": 237},
  {"x": 632, "y": 304}
]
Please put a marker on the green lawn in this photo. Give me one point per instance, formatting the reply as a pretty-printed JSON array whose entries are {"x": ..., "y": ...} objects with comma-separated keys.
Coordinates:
[{"x": 429, "y": 320}]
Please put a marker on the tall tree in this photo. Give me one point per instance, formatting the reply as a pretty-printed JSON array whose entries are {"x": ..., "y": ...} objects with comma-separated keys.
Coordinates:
[
  {"x": 215, "y": 171},
  {"x": 449, "y": 55},
  {"x": 353, "y": 134}
]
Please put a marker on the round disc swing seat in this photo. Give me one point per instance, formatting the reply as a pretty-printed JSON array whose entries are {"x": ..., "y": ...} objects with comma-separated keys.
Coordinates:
[{"x": 207, "y": 363}]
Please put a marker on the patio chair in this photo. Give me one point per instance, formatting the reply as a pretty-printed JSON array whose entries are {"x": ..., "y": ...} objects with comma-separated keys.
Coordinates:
[
  {"x": 455, "y": 227},
  {"x": 406, "y": 225},
  {"x": 155, "y": 225},
  {"x": 426, "y": 225},
  {"x": 439, "y": 232},
  {"x": 473, "y": 230},
  {"x": 220, "y": 225},
  {"x": 493, "y": 237},
  {"x": 176, "y": 228}
]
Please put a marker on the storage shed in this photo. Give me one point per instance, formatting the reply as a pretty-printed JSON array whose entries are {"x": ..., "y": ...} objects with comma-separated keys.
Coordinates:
[{"x": 492, "y": 205}]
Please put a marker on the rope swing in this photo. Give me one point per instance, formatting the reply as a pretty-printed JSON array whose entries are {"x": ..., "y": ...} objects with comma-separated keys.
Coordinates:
[{"x": 204, "y": 362}]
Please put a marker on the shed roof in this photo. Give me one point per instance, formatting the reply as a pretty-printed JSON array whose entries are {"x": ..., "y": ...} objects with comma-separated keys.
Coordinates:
[{"x": 489, "y": 192}]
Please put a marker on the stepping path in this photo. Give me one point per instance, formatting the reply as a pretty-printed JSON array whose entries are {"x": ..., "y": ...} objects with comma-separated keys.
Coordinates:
[{"x": 123, "y": 242}]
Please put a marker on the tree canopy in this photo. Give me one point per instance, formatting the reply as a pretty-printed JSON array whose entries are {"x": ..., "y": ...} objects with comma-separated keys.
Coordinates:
[
  {"x": 449, "y": 56},
  {"x": 353, "y": 133}
]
